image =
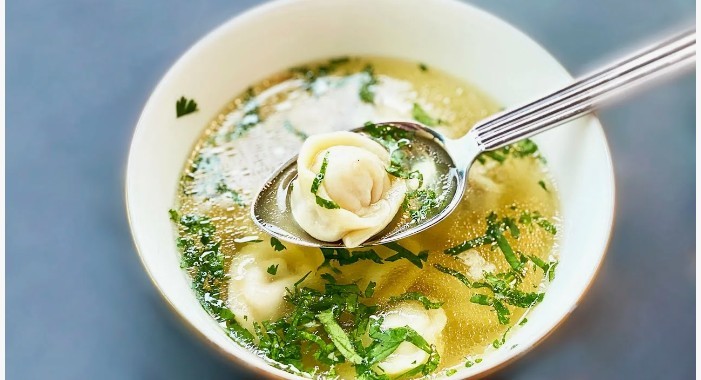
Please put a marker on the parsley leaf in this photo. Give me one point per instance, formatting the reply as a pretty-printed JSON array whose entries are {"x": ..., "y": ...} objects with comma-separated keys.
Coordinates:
[
  {"x": 403, "y": 253},
  {"x": 420, "y": 115},
  {"x": 548, "y": 268},
  {"x": 273, "y": 269},
  {"x": 174, "y": 216},
  {"x": 541, "y": 183},
  {"x": 416, "y": 296},
  {"x": 521, "y": 149},
  {"x": 421, "y": 204},
  {"x": 345, "y": 257},
  {"x": 423, "y": 67},
  {"x": 184, "y": 106},
  {"x": 222, "y": 188},
  {"x": 461, "y": 277},
  {"x": 276, "y": 244},
  {"x": 288, "y": 126},
  {"x": 325, "y": 203},
  {"x": 367, "y": 89},
  {"x": 338, "y": 337},
  {"x": 370, "y": 289}
]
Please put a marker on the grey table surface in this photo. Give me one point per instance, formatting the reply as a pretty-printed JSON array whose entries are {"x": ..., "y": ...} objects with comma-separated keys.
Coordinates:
[{"x": 79, "y": 305}]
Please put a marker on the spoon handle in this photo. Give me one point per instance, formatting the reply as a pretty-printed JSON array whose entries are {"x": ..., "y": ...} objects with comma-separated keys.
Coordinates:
[{"x": 585, "y": 94}]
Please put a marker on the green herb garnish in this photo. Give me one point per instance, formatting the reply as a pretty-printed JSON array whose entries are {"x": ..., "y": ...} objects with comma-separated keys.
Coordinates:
[
  {"x": 276, "y": 244},
  {"x": 311, "y": 74},
  {"x": 185, "y": 106},
  {"x": 338, "y": 337},
  {"x": 500, "y": 342},
  {"x": 420, "y": 115},
  {"x": 548, "y": 268},
  {"x": 423, "y": 67},
  {"x": 345, "y": 257},
  {"x": 367, "y": 89},
  {"x": 325, "y": 203},
  {"x": 403, "y": 253},
  {"x": 541, "y": 183},
  {"x": 222, "y": 188},
  {"x": 521, "y": 149},
  {"x": 251, "y": 116},
  {"x": 288, "y": 126},
  {"x": 273, "y": 269},
  {"x": 528, "y": 218},
  {"x": 416, "y": 296},
  {"x": 503, "y": 288},
  {"x": 202, "y": 258},
  {"x": 421, "y": 203}
]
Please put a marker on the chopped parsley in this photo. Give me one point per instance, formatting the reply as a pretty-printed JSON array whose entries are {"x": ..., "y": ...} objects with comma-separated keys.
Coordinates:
[
  {"x": 251, "y": 116},
  {"x": 202, "y": 258},
  {"x": 416, "y": 296},
  {"x": 276, "y": 244},
  {"x": 345, "y": 257},
  {"x": 500, "y": 342},
  {"x": 273, "y": 269},
  {"x": 288, "y": 126},
  {"x": 325, "y": 203},
  {"x": 529, "y": 217},
  {"x": 310, "y": 75},
  {"x": 338, "y": 337},
  {"x": 421, "y": 204},
  {"x": 185, "y": 106},
  {"x": 370, "y": 289},
  {"x": 548, "y": 268},
  {"x": 451, "y": 372},
  {"x": 503, "y": 287},
  {"x": 521, "y": 149},
  {"x": 403, "y": 253},
  {"x": 495, "y": 234},
  {"x": 367, "y": 89},
  {"x": 420, "y": 115},
  {"x": 423, "y": 67},
  {"x": 222, "y": 188},
  {"x": 541, "y": 183}
]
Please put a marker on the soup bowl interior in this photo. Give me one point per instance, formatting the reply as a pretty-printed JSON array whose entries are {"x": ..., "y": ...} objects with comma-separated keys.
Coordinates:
[{"x": 459, "y": 39}]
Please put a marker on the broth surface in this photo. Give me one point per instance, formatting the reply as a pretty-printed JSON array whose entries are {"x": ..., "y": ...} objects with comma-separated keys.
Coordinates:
[{"x": 265, "y": 126}]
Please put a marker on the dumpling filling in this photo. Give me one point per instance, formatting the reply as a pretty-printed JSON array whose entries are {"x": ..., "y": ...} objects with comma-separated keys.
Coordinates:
[{"x": 343, "y": 191}]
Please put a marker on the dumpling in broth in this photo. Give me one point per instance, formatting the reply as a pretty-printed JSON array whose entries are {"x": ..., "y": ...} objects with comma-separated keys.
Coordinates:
[
  {"x": 257, "y": 295},
  {"x": 427, "y": 323}
]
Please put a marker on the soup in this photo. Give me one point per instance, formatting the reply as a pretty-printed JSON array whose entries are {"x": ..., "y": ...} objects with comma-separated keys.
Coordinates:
[{"x": 424, "y": 305}]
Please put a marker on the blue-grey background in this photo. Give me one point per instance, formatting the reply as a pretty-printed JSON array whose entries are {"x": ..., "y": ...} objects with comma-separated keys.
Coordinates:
[{"x": 79, "y": 305}]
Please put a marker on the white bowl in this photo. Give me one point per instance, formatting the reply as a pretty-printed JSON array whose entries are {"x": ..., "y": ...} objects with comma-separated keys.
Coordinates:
[{"x": 449, "y": 35}]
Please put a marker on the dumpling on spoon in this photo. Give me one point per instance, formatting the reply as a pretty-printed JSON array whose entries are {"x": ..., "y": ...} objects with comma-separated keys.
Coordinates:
[{"x": 343, "y": 191}]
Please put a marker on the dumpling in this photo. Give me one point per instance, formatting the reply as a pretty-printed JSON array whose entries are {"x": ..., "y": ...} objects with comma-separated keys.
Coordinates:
[
  {"x": 427, "y": 323},
  {"x": 358, "y": 197},
  {"x": 255, "y": 294}
]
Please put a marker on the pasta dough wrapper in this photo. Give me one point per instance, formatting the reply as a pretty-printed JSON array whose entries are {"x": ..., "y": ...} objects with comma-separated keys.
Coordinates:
[{"x": 355, "y": 179}]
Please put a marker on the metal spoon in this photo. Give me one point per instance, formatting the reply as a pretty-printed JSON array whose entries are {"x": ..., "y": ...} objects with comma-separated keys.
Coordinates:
[{"x": 271, "y": 208}]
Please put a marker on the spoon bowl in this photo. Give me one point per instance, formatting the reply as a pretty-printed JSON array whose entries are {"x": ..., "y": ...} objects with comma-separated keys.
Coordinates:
[{"x": 271, "y": 207}]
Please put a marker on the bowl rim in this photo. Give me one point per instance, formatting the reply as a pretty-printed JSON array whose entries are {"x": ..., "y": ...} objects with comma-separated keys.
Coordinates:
[{"x": 265, "y": 369}]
